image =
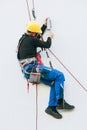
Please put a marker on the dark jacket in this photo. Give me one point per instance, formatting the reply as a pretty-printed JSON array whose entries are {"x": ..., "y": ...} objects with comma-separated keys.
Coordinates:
[{"x": 27, "y": 47}]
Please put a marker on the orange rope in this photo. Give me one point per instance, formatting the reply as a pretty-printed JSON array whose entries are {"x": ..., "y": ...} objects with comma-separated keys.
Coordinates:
[
  {"x": 68, "y": 70},
  {"x": 28, "y": 10},
  {"x": 33, "y": 3},
  {"x": 36, "y": 107},
  {"x": 36, "y": 84}
]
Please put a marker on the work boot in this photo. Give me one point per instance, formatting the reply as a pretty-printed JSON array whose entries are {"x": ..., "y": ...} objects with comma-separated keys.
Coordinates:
[
  {"x": 51, "y": 110},
  {"x": 62, "y": 104}
]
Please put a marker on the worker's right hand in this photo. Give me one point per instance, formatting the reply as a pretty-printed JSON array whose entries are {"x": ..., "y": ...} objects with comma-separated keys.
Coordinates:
[
  {"x": 51, "y": 35},
  {"x": 45, "y": 22}
]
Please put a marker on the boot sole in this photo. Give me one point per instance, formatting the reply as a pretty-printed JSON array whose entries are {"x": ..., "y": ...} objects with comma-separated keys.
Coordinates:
[
  {"x": 55, "y": 116},
  {"x": 60, "y": 108}
]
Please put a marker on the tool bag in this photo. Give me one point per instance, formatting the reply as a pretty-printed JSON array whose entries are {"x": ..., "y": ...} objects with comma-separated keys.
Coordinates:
[
  {"x": 34, "y": 77},
  {"x": 31, "y": 73}
]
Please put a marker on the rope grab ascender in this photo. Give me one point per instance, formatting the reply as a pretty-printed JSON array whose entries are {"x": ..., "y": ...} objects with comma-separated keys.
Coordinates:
[{"x": 33, "y": 10}]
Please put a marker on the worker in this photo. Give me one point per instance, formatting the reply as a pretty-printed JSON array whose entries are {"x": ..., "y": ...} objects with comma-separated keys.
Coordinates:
[{"x": 27, "y": 56}]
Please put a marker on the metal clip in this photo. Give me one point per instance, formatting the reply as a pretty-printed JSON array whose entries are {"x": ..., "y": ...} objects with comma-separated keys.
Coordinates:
[{"x": 49, "y": 24}]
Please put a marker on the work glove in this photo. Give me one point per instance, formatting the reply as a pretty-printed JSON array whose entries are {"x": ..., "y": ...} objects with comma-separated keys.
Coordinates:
[{"x": 51, "y": 35}]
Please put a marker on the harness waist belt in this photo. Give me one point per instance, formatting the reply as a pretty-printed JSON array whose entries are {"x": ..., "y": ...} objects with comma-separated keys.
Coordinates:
[{"x": 27, "y": 60}]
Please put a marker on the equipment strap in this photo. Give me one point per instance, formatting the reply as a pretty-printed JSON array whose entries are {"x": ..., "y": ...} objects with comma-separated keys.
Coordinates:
[{"x": 27, "y": 60}]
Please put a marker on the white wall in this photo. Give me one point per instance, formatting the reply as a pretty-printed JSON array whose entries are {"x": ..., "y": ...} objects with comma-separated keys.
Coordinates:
[{"x": 69, "y": 21}]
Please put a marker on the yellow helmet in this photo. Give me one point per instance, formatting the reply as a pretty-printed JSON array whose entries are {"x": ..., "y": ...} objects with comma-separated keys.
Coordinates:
[{"x": 34, "y": 26}]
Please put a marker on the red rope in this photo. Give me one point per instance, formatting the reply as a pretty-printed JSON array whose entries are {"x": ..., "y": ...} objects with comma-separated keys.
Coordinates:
[
  {"x": 36, "y": 107},
  {"x": 33, "y": 3},
  {"x": 68, "y": 71},
  {"x": 36, "y": 84},
  {"x": 28, "y": 10}
]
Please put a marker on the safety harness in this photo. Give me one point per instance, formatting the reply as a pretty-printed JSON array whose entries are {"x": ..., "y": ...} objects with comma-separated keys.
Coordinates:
[{"x": 33, "y": 75}]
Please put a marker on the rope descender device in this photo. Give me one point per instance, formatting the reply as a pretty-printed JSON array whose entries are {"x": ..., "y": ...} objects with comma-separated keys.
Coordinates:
[{"x": 33, "y": 13}]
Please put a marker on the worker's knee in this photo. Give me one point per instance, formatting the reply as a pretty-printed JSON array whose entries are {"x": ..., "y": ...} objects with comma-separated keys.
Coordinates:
[{"x": 60, "y": 77}]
